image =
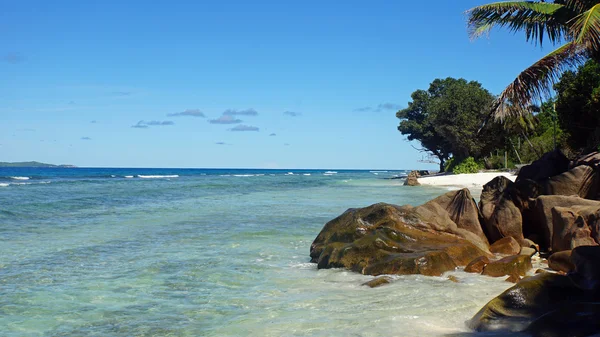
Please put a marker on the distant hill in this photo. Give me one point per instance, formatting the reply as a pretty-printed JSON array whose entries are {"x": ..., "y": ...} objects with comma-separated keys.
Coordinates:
[{"x": 30, "y": 164}]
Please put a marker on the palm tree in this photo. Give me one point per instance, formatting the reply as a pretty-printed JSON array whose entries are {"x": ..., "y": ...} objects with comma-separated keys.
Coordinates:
[{"x": 573, "y": 25}]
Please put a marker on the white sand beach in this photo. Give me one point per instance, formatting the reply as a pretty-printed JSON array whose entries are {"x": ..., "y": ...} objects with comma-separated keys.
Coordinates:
[{"x": 469, "y": 180}]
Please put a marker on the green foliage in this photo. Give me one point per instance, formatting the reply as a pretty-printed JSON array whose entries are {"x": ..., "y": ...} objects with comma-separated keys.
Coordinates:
[
  {"x": 468, "y": 165},
  {"x": 494, "y": 162},
  {"x": 578, "y": 106},
  {"x": 448, "y": 119},
  {"x": 450, "y": 164},
  {"x": 576, "y": 22}
]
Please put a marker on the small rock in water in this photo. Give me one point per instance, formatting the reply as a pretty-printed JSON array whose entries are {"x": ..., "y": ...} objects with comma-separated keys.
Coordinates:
[
  {"x": 453, "y": 279},
  {"x": 378, "y": 281}
]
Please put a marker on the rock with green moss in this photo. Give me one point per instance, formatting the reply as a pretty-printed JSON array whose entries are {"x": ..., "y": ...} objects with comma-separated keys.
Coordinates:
[
  {"x": 549, "y": 304},
  {"x": 390, "y": 239},
  {"x": 529, "y": 300}
]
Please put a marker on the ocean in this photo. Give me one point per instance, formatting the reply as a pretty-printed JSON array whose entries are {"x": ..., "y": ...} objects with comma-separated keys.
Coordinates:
[{"x": 206, "y": 252}]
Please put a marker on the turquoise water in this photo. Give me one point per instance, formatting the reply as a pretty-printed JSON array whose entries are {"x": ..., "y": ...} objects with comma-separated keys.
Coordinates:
[{"x": 150, "y": 252}]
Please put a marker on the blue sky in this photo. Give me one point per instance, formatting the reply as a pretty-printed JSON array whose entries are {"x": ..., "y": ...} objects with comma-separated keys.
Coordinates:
[{"x": 248, "y": 84}]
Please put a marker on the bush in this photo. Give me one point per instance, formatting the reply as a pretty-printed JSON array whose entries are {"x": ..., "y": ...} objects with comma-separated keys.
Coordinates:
[
  {"x": 449, "y": 165},
  {"x": 468, "y": 165},
  {"x": 497, "y": 163}
]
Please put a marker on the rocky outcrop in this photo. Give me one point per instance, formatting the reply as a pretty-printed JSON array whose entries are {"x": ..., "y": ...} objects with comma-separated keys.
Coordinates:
[
  {"x": 571, "y": 227},
  {"x": 411, "y": 179},
  {"x": 389, "y": 239},
  {"x": 581, "y": 181},
  {"x": 551, "y": 164},
  {"x": 463, "y": 210},
  {"x": 591, "y": 159},
  {"x": 549, "y": 304},
  {"x": 501, "y": 216},
  {"x": 540, "y": 221}
]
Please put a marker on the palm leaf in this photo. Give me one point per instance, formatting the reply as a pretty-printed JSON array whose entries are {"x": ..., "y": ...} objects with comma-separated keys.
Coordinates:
[
  {"x": 537, "y": 19},
  {"x": 579, "y": 6},
  {"x": 586, "y": 28},
  {"x": 535, "y": 82}
]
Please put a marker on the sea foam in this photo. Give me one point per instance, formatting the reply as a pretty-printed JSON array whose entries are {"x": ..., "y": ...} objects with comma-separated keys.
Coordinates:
[
  {"x": 20, "y": 178},
  {"x": 157, "y": 176}
]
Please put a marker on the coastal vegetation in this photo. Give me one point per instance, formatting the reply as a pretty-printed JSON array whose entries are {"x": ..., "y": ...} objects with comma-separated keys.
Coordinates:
[
  {"x": 451, "y": 122},
  {"x": 573, "y": 25},
  {"x": 447, "y": 120}
]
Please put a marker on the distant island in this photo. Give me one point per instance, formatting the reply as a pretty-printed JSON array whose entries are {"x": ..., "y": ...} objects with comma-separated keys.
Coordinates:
[{"x": 31, "y": 164}]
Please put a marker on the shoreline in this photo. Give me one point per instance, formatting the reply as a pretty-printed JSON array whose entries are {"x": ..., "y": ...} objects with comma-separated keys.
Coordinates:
[{"x": 465, "y": 180}]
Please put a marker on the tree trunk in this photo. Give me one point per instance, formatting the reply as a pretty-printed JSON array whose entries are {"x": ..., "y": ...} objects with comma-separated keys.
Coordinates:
[{"x": 442, "y": 164}]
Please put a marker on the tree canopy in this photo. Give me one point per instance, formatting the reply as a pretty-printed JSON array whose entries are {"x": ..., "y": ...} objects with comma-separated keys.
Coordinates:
[
  {"x": 448, "y": 119},
  {"x": 578, "y": 106},
  {"x": 576, "y": 23}
]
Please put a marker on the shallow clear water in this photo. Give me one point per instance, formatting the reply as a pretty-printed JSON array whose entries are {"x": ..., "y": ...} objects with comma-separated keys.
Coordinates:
[{"x": 205, "y": 253}]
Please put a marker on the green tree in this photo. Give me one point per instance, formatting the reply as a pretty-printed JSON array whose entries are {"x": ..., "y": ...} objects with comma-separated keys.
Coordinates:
[
  {"x": 447, "y": 120},
  {"x": 573, "y": 25},
  {"x": 578, "y": 106},
  {"x": 418, "y": 124}
]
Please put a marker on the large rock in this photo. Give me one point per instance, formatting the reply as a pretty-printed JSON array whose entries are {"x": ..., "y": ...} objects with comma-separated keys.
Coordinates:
[
  {"x": 462, "y": 209},
  {"x": 389, "y": 239},
  {"x": 581, "y": 181},
  {"x": 587, "y": 267},
  {"x": 570, "y": 227},
  {"x": 530, "y": 300},
  {"x": 590, "y": 159},
  {"x": 501, "y": 216},
  {"x": 510, "y": 265},
  {"x": 539, "y": 219},
  {"x": 549, "y": 304},
  {"x": 551, "y": 164}
]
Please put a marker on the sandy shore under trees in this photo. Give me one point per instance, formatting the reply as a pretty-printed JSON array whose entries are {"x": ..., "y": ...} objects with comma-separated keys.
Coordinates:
[{"x": 468, "y": 180}]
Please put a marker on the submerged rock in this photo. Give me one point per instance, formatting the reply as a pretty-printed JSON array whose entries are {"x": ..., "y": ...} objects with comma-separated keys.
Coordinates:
[
  {"x": 378, "y": 282},
  {"x": 390, "y": 239}
]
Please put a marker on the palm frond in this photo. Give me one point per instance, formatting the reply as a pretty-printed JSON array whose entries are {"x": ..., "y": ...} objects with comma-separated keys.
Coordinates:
[
  {"x": 586, "y": 28},
  {"x": 579, "y": 6},
  {"x": 535, "y": 82},
  {"x": 537, "y": 19}
]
